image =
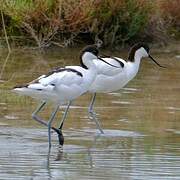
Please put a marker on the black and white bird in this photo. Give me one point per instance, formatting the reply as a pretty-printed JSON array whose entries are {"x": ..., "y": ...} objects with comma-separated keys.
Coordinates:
[
  {"x": 62, "y": 86},
  {"x": 110, "y": 79}
]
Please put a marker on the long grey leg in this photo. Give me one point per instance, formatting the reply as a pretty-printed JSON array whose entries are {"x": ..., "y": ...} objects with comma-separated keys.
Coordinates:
[
  {"x": 49, "y": 124},
  {"x": 34, "y": 114},
  {"x": 60, "y": 134},
  {"x": 64, "y": 115},
  {"x": 90, "y": 108},
  {"x": 38, "y": 119},
  {"x": 92, "y": 114}
]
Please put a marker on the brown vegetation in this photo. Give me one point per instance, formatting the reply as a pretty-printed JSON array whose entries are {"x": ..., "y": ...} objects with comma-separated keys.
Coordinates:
[{"x": 116, "y": 22}]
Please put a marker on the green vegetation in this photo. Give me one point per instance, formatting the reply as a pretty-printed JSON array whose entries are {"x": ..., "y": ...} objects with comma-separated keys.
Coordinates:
[{"x": 64, "y": 22}]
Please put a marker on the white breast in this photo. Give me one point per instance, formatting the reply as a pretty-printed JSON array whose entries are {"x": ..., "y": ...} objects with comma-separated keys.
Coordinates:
[
  {"x": 109, "y": 78},
  {"x": 105, "y": 83}
]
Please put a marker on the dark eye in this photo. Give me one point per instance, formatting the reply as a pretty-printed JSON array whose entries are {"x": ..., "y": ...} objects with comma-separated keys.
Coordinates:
[{"x": 146, "y": 48}]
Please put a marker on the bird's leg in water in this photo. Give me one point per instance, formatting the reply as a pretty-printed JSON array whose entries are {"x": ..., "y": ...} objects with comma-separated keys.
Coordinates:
[
  {"x": 49, "y": 124},
  {"x": 41, "y": 121},
  {"x": 92, "y": 114},
  {"x": 61, "y": 137}
]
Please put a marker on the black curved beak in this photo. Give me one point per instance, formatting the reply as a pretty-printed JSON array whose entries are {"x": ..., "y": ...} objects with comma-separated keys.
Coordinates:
[
  {"x": 156, "y": 62},
  {"x": 108, "y": 63}
]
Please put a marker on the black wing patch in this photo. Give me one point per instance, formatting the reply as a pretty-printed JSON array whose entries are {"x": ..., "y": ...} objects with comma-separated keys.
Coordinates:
[
  {"x": 112, "y": 57},
  {"x": 57, "y": 70}
]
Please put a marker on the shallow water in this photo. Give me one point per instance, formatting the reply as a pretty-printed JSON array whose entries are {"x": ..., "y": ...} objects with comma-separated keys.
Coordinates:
[{"x": 141, "y": 124}]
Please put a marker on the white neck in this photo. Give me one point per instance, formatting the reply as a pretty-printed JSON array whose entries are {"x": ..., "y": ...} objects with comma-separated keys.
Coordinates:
[
  {"x": 91, "y": 72},
  {"x": 133, "y": 67},
  {"x": 87, "y": 60}
]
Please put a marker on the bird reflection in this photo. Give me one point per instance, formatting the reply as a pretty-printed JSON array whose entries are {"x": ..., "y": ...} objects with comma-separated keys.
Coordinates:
[
  {"x": 60, "y": 154},
  {"x": 67, "y": 156}
]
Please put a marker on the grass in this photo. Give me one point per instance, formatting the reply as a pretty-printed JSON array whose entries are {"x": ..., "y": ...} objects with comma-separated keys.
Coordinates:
[{"x": 64, "y": 22}]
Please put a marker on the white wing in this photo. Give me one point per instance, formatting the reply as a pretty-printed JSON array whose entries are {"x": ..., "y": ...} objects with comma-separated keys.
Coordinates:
[
  {"x": 56, "y": 78},
  {"x": 65, "y": 81},
  {"x": 63, "y": 76},
  {"x": 108, "y": 70}
]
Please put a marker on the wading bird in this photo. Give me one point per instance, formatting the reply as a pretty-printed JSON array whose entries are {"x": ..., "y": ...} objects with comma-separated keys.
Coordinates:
[
  {"x": 62, "y": 86},
  {"x": 111, "y": 79}
]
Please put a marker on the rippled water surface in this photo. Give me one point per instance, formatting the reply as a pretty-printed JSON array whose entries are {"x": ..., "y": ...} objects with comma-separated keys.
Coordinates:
[{"x": 141, "y": 124}]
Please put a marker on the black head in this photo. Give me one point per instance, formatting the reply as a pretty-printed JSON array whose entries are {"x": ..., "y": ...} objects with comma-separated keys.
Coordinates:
[
  {"x": 90, "y": 48},
  {"x": 135, "y": 48},
  {"x": 138, "y": 46}
]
